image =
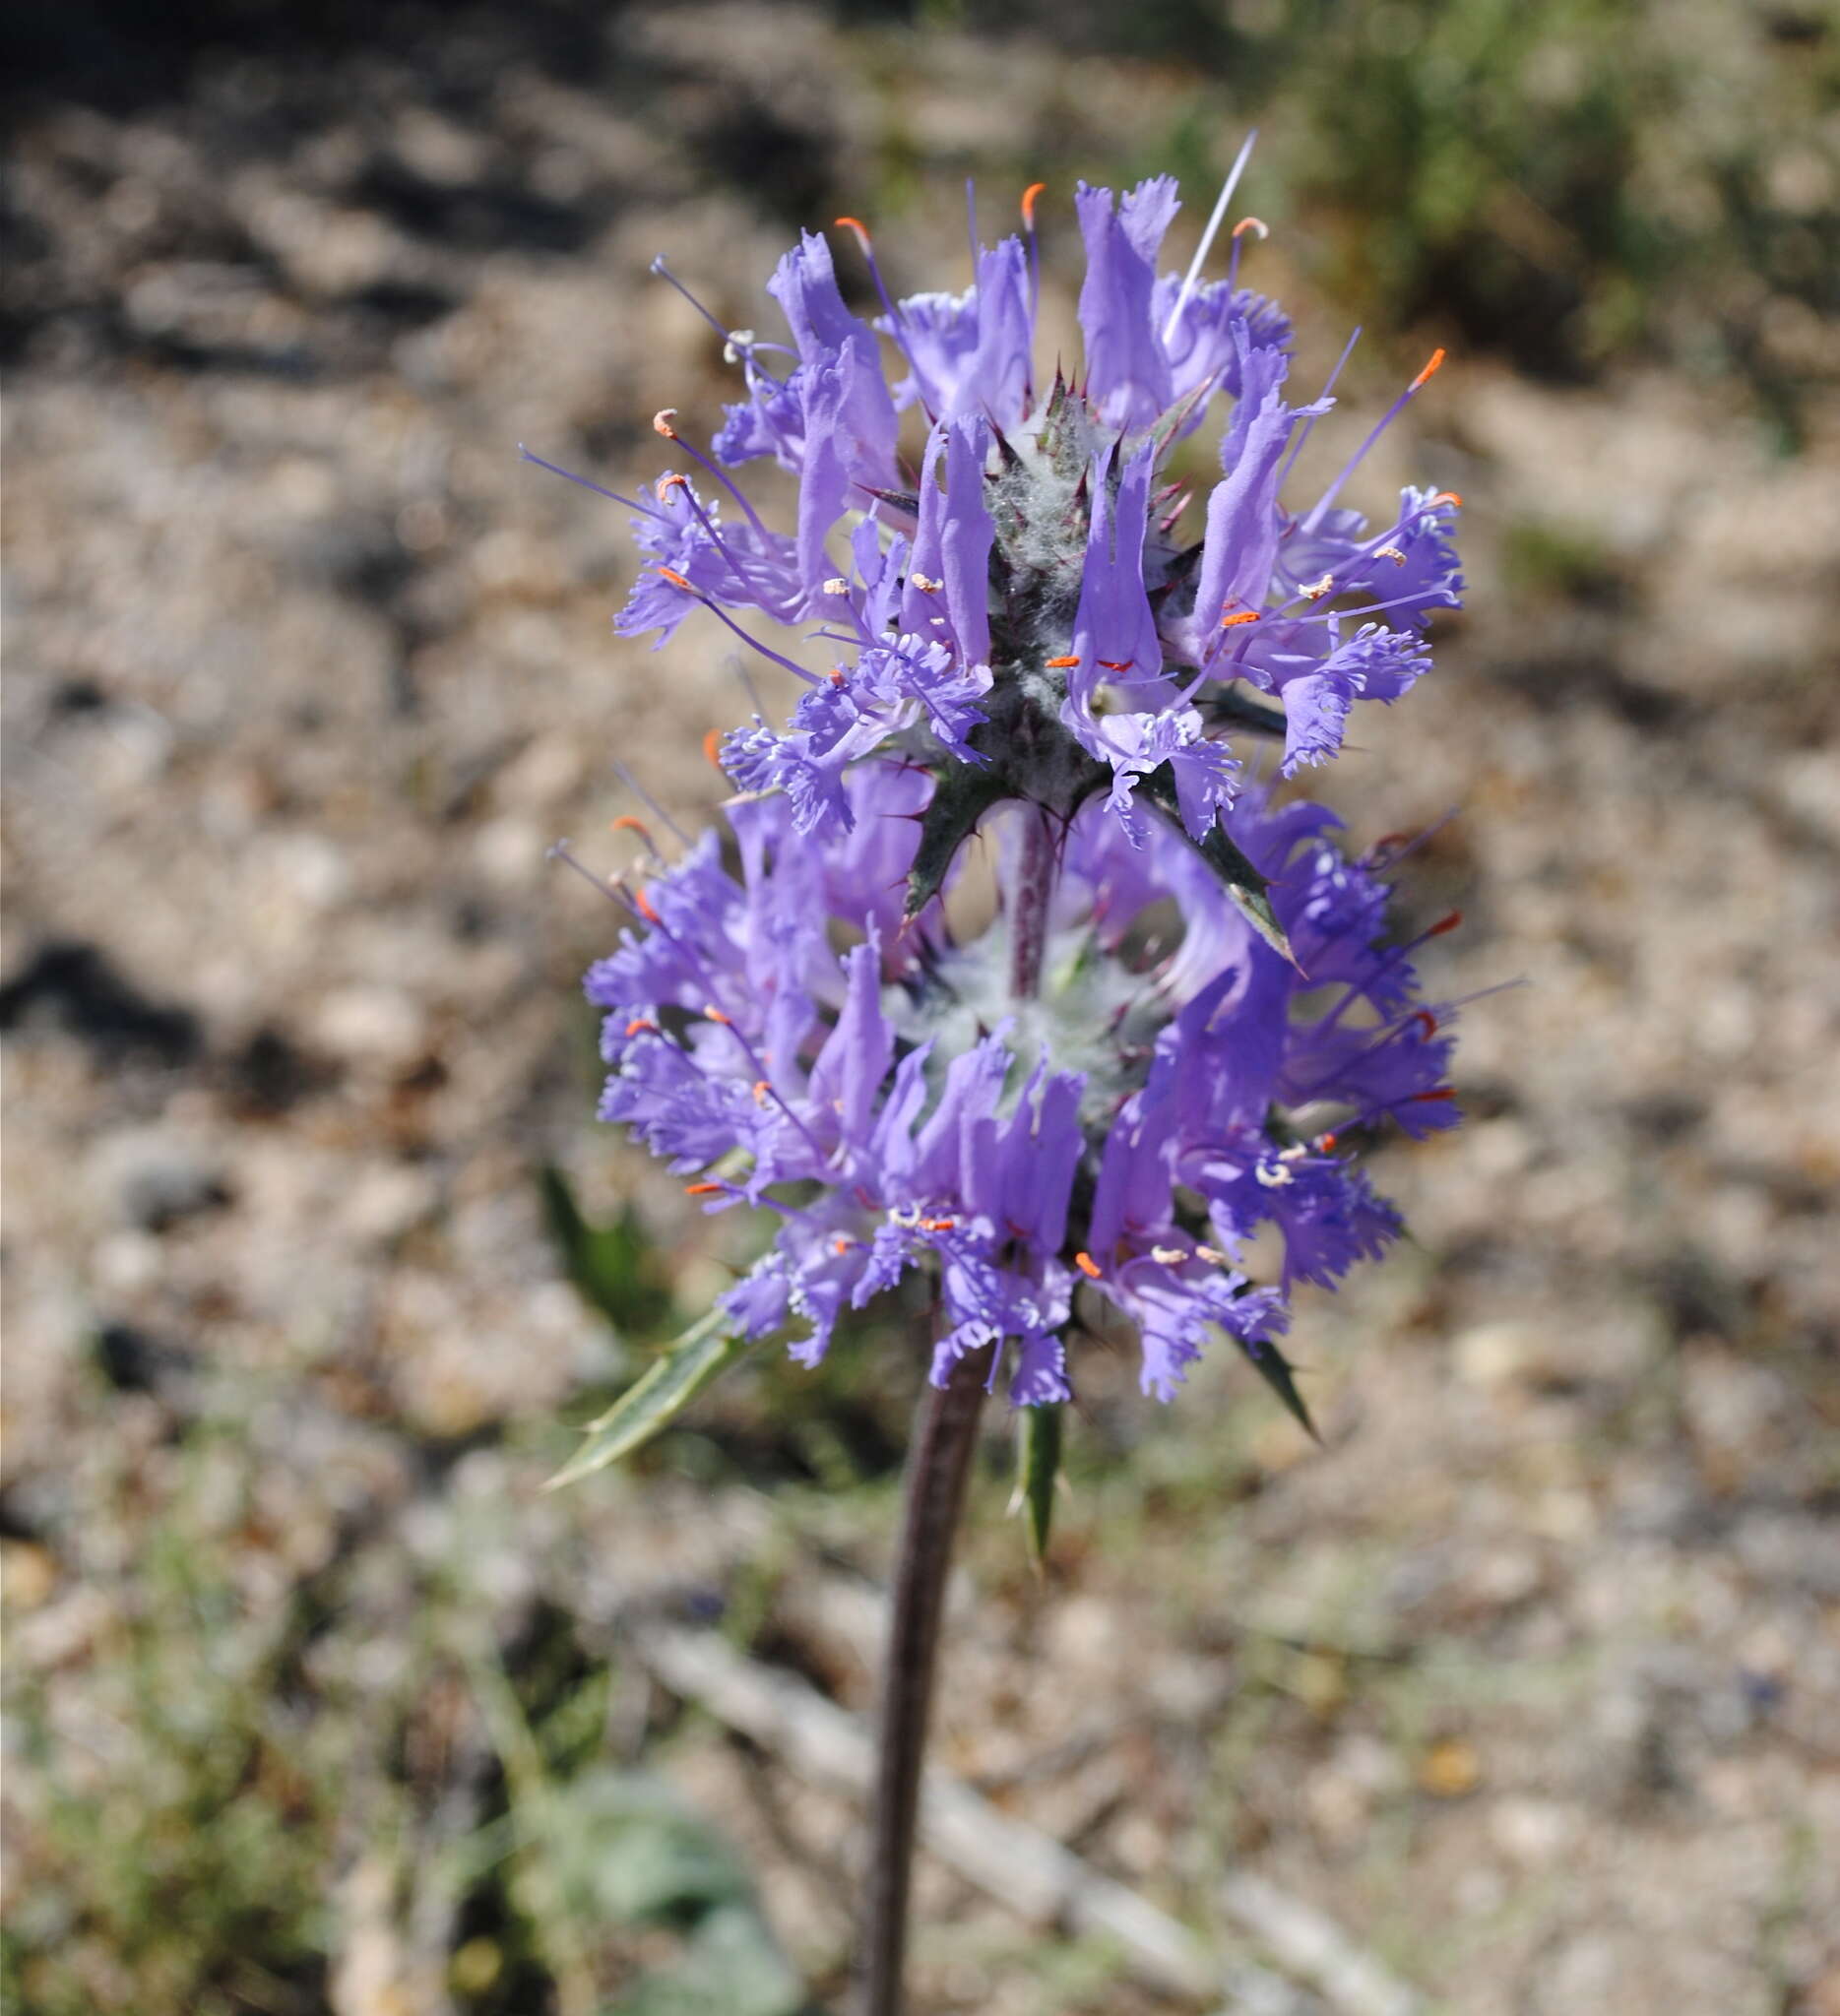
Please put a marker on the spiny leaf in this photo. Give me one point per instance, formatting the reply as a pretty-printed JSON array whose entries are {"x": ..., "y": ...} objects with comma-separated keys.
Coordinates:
[
  {"x": 1275, "y": 1370},
  {"x": 678, "y": 1375},
  {"x": 1245, "y": 887},
  {"x": 1037, "y": 1470},
  {"x": 961, "y": 797},
  {"x": 1234, "y": 709}
]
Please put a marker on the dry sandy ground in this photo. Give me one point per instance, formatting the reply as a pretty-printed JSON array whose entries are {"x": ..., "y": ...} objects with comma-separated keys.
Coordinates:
[{"x": 1532, "y": 1677}]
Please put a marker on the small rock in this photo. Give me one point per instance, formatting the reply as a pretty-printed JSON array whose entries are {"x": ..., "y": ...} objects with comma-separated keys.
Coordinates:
[{"x": 369, "y": 1026}]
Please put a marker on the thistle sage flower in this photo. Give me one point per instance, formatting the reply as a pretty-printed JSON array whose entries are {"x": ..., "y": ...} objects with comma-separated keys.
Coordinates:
[{"x": 1187, "y": 1015}]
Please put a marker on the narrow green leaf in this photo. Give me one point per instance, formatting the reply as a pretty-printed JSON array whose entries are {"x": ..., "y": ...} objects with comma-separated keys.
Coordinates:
[
  {"x": 1275, "y": 1370},
  {"x": 1037, "y": 1472},
  {"x": 678, "y": 1375},
  {"x": 613, "y": 1267}
]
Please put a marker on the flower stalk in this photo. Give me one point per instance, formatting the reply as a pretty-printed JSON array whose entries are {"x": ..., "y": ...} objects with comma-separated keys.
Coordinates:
[{"x": 933, "y": 1495}]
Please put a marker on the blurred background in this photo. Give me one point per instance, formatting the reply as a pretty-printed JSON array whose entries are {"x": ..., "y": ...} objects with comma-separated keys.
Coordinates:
[{"x": 1530, "y": 1681}]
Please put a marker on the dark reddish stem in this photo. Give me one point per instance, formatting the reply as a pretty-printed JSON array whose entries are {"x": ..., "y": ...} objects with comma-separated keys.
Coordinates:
[
  {"x": 1028, "y": 897},
  {"x": 938, "y": 1465}
]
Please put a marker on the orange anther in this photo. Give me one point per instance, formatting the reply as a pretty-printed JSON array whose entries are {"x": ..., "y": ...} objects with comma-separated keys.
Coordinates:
[
  {"x": 1087, "y": 1265},
  {"x": 712, "y": 746},
  {"x": 862, "y": 230},
  {"x": 627, "y": 823},
  {"x": 1430, "y": 370},
  {"x": 675, "y": 579},
  {"x": 1028, "y": 204},
  {"x": 639, "y": 1025},
  {"x": 1447, "y": 497},
  {"x": 704, "y": 1189},
  {"x": 1444, "y": 924},
  {"x": 1114, "y": 664},
  {"x": 1325, "y": 1144},
  {"x": 716, "y": 1015},
  {"x": 1429, "y": 1020},
  {"x": 661, "y": 422},
  {"x": 836, "y": 675},
  {"x": 840, "y": 1245},
  {"x": 1429, "y": 1097},
  {"x": 1244, "y": 616},
  {"x": 761, "y": 1092},
  {"x": 643, "y": 905},
  {"x": 938, "y": 1225},
  {"x": 1055, "y": 664},
  {"x": 1253, "y": 224},
  {"x": 666, "y": 484}
]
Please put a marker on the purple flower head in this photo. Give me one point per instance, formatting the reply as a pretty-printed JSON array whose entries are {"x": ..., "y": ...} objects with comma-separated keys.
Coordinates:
[
  {"x": 1028, "y": 640},
  {"x": 1121, "y": 1135}
]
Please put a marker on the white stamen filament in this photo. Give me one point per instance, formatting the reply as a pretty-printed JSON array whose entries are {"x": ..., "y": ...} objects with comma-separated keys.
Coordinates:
[{"x": 1208, "y": 236}]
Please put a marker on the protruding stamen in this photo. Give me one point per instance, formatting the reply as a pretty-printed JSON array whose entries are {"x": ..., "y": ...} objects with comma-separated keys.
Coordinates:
[
  {"x": 1170, "y": 1256},
  {"x": 926, "y": 585},
  {"x": 627, "y": 823},
  {"x": 841, "y": 1246},
  {"x": 938, "y": 1225},
  {"x": 1428, "y": 1019},
  {"x": 664, "y": 485},
  {"x": 1088, "y": 1266},
  {"x": 1449, "y": 497},
  {"x": 712, "y": 748},
  {"x": 1233, "y": 622},
  {"x": 713, "y": 1014},
  {"x": 1325, "y": 1144},
  {"x": 1060, "y": 664},
  {"x": 1113, "y": 665},
  {"x": 642, "y": 1025},
  {"x": 1195, "y": 265},
  {"x": 650, "y": 805},
  {"x": 1322, "y": 398},
  {"x": 1253, "y": 224},
  {"x": 1433, "y": 1097},
  {"x": 706, "y": 1189},
  {"x": 1316, "y": 589},
  {"x": 1443, "y": 925},
  {"x": 762, "y": 1092},
  {"x": 568, "y": 476},
  {"x": 661, "y": 422},
  {"x": 676, "y": 580},
  {"x": 1391, "y": 553},
  {"x": 1386, "y": 419},
  {"x": 862, "y": 231},
  {"x": 837, "y": 585},
  {"x": 643, "y": 905},
  {"x": 1034, "y": 262}
]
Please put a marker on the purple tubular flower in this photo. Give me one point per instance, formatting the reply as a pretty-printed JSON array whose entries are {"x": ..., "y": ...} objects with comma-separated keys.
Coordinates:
[
  {"x": 1127, "y": 369},
  {"x": 735, "y": 565},
  {"x": 970, "y": 352},
  {"x": 1080, "y": 1103},
  {"x": 951, "y": 560},
  {"x": 1205, "y": 347}
]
